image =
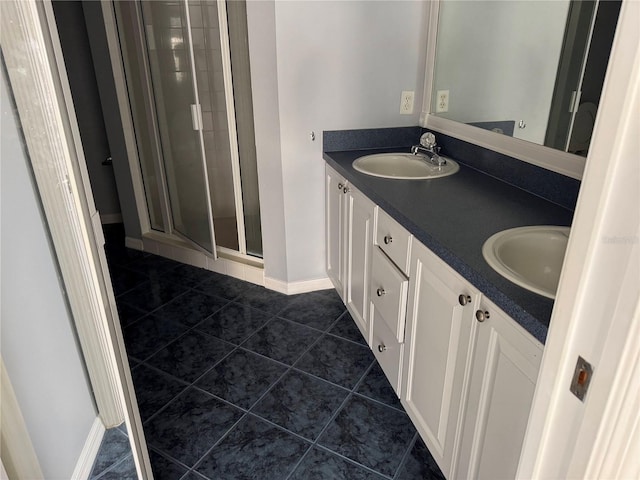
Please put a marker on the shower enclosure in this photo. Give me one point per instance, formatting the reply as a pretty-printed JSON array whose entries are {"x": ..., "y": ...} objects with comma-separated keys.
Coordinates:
[{"x": 186, "y": 66}]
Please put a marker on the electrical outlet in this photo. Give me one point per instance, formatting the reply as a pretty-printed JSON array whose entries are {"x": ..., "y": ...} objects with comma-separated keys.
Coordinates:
[
  {"x": 406, "y": 103},
  {"x": 442, "y": 101}
]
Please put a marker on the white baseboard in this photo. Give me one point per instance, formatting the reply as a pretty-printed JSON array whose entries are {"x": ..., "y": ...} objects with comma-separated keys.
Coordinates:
[
  {"x": 248, "y": 273},
  {"x": 134, "y": 243},
  {"x": 292, "y": 288},
  {"x": 178, "y": 250},
  {"x": 89, "y": 451},
  {"x": 107, "y": 218},
  {"x": 181, "y": 252}
]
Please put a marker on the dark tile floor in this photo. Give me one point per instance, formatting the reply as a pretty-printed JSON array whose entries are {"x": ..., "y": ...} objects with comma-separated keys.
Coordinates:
[{"x": 235, "y": 381}]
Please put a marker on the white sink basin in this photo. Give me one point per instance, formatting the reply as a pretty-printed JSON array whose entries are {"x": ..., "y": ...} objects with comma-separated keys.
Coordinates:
[
  {"x": 403, "y": 166},
  {"x": 529, "y": 256}
]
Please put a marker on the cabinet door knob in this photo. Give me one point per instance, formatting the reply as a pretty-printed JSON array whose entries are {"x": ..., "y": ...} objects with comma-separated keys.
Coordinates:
[
  {"x": 340, "y": 186},
  {"x": 388, "y": 239},
  {"x": 380, "y": 292},
  {"x": 481, "y": 316},
  {"x": 381, "y": 348},
  {"x": 463, "y": 299},
  {"x": 345, "y": 189}
]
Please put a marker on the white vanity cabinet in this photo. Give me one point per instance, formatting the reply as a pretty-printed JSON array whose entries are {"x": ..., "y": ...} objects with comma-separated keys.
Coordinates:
[
  {"x": 504, "y": 369},
  {"x": 440, "y": 319},
  {"x": 464, "y": 371},
  {"x": 349, "y": 224}
]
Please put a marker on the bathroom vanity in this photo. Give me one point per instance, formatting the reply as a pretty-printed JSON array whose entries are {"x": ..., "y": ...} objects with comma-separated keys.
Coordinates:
[{"x": 460, "y": 345}]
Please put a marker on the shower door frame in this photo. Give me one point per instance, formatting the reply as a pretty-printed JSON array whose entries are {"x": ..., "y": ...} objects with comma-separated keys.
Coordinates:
[{"x": 169, "y": 233}]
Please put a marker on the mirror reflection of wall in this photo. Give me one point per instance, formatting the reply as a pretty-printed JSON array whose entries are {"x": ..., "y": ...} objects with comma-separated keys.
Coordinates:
[{"x": 529, "y": 69}]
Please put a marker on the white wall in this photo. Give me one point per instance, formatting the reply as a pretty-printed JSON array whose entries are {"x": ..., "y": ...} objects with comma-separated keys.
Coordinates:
[
  {"x": 264, "y": 85},
  {"x": 37, "y": 339},
  {"x": 334, "y": 65},
  {"x": 499, "y": 61}
]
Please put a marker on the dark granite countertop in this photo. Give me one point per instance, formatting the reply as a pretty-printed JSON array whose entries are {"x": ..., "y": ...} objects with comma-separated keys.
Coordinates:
[{"x": 453, "y": 216}]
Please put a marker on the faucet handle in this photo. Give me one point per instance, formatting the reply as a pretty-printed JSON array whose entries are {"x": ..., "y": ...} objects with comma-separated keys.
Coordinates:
[{"x": 428, "y": 140}]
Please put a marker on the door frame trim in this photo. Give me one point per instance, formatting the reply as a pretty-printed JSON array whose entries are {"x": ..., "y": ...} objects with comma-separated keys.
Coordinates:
[
  {"x": 18, "y": 455},
  {"x": 597, "y": 309},
  {"x": 35, "y": 67},
  {"x": 35, "y": 83},
  {"x": 225, "y": 49}
]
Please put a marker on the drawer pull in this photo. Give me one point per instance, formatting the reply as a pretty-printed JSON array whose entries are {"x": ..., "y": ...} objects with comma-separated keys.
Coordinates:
[
  {"x": 482, "y": 316},
  {"x": 464, "y": 299},
  {"x": 381, "y": 348},
  {"x": 380, "y": 292},
  {"x": 388, "y": 239}
]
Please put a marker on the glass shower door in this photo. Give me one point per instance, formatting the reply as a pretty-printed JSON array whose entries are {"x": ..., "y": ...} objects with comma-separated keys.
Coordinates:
[{"x": 179, "y": 119}]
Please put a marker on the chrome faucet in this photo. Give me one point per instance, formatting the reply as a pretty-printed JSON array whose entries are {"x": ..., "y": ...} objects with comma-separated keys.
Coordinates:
[{"x": 429, "y": 149}]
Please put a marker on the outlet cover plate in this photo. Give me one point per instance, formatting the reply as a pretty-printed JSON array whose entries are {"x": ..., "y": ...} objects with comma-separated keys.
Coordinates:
[
  {"x": 442, "y": 101},
  {"x": 406, "y": 102}
]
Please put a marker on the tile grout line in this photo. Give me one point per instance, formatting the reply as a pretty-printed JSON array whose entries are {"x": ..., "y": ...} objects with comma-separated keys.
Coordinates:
[
  {"x": 249, "y": 411},
  {"x": 289, "y": 368},
  {"x": 371, "y": 367},
  {"x": 184, "y": 294},
  {"x": 117, "y": 460},
  {"x": 406, "y": 454},
  {"x": 112, "y": 466},
  {"x": 353, "y": 462},
  {"x": 245, "y": 412},
  {"x": 170, "y": 458},
  {"x": 183, "y": 334},
  {"x": 193, "y": 384},
  {"x": 252, "y": 413},
  {"x": 331, "y": 419},
  {"x": 188, "y": 385},
  {"x": 154, "y": 310}
]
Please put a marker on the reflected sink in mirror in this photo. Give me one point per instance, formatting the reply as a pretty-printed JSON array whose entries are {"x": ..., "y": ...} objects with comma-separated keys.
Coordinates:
[
  {"x": 403, "y": 166},
  {"x": 531, "y": 257}
]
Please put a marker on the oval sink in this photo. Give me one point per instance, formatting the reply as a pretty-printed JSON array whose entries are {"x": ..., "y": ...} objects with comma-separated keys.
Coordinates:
[
  {"x": 529, "y": 256},
  {"x": 403, "y": 166}
]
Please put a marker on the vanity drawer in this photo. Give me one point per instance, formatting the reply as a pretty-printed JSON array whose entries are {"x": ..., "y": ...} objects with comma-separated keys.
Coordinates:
[
  {"x": 394, "y": 240},
  {"x": 389, "y": 293},
  {"x": 387, "y": 349}
]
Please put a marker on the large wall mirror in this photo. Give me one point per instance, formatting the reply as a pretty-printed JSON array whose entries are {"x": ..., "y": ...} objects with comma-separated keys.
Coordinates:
[{"x": 519, "y": 74}]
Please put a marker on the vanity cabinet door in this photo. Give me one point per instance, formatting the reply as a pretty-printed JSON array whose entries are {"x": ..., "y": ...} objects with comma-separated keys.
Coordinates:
[
  {"x": 359, "y": 232},
  {"x": 335, "y": 212},
  {"x": 503, "y": 378},
  {"x": 437, "y": 339}
]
